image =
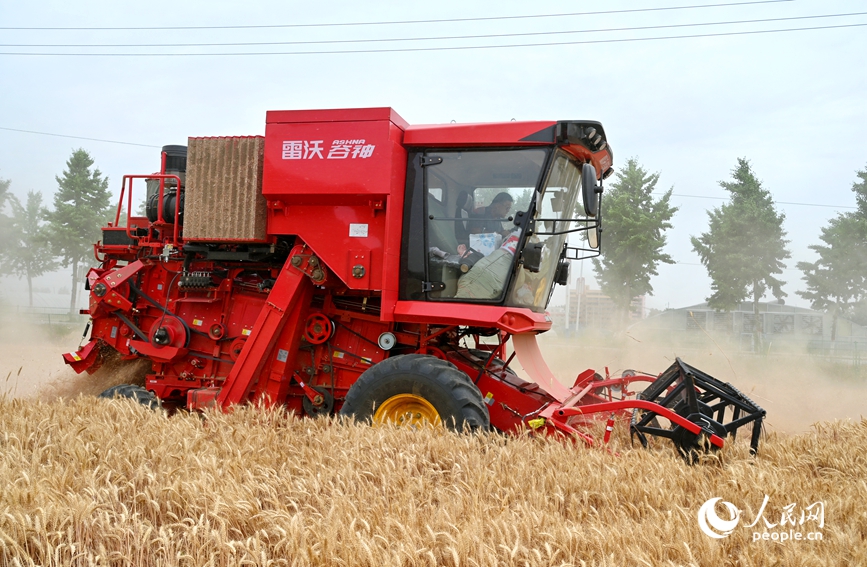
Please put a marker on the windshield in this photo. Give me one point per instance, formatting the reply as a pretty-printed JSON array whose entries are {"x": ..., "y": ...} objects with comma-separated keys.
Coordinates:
[
  {"x": 472, "y": 201},
  {"x": 555, "y": 207}
]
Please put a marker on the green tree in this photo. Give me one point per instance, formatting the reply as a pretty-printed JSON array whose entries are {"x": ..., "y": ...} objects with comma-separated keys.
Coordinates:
[
  {"x": 859, "y": 312},
  {"x": 837, "y": 280},
  {"x": 4, "y": 192},
  {"x": 634, "y": 235},
  {"x": 28, "y": 252},
  {"x": 860, "y": 190},
  {"x": 81, "y": 208},
  {"x": 4, "y": 220},
  {"x": 744, "y": 247}
]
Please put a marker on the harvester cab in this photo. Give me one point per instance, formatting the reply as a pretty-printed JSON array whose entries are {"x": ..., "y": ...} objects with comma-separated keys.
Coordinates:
[{"x": 348, "y": 262}]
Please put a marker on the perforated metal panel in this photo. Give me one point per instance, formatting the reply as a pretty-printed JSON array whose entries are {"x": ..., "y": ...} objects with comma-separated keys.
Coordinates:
[{"x": 224, "y": 199}]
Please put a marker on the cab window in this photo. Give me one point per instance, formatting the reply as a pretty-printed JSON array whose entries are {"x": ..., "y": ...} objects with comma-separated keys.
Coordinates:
[{"x": 471, "y": 200}]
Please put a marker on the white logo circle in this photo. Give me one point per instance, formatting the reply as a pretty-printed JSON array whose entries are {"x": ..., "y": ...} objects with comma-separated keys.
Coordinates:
[{"x": 714, "y": 526}]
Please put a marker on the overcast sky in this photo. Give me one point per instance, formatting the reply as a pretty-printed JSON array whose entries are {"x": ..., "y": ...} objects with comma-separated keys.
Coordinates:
[{"x": 791, "y": 102}]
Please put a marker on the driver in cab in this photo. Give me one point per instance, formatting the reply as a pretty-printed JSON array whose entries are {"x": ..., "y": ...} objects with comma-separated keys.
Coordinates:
[{"x": 490, "y": 219}]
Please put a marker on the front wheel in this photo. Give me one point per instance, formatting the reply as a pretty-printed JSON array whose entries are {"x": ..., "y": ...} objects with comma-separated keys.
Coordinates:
[
  {"x": 132, "y": 392},
  {"x": 416, "y": 389}
]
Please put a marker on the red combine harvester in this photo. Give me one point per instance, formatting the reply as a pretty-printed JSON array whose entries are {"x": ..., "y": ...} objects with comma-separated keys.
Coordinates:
[{"x": 349, "y": 262}]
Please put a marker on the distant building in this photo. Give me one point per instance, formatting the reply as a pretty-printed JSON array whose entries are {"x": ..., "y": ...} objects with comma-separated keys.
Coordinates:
[
  {"x": 590, "y": 308},
  {"x": 779, "y": 324}
]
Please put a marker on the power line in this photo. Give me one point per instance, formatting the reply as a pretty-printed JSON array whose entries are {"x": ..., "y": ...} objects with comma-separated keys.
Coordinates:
[
  {"x": 445, "y": 48},
  {"x": 78, "y": 137},
  {"x": 435, "y": 38},
  {"x": 401, "y": 22},
  {"x": 786, "y": 268},
  {"x": 654, "y": 193},
  {"x": 777, "y": 202}
]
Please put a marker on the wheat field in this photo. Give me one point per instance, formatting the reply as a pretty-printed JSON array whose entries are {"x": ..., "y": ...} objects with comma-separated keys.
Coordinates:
[{"x": 98, "y": 482}]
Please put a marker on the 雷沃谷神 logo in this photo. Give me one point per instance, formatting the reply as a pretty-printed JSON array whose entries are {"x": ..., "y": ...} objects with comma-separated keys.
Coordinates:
[{"x": 339, "y": 149}]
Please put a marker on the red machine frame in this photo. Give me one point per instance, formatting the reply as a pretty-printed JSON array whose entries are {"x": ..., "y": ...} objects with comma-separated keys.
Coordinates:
[{"x": 297, "y": 319}]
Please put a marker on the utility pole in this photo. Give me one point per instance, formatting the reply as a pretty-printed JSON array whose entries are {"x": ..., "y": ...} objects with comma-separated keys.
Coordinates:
[
  {"x": 579, "y": 291},
  {"x": 568, "y": 314}
]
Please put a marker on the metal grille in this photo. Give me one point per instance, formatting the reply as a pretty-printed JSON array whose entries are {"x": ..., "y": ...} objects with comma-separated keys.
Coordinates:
[
  {"x": 750, "y": 322},
  {"x": 812, "y": 324},
  {"x": 696, "y": 320},
  {"x": 224, "y": 199},
  {"x": 722, "y": 322},
  {"x": 784, "y": 324}
]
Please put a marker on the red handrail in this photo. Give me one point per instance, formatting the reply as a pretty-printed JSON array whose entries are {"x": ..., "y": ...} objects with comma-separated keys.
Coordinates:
[{"x": 160, "y": 220}]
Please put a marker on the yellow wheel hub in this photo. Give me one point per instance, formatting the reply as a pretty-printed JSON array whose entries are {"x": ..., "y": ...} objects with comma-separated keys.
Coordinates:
[{"x": 407, "y": 409}]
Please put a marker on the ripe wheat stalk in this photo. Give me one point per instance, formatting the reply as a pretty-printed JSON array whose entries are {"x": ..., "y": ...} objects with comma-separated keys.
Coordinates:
[{"x": 97, "y": 482}]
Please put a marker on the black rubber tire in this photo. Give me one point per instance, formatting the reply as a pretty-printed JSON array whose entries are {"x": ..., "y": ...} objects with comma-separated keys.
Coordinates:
[
  {"x": 457, "y": 400},
  {"x": 132, "y": 392}
]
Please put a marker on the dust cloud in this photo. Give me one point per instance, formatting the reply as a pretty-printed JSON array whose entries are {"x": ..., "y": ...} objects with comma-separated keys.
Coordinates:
[
  {"x": 32, "y": 366},
  {"x": 796, "y": 389}
]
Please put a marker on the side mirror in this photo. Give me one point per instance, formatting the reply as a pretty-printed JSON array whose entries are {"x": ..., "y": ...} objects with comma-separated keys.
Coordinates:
[
  {"x": 589, "y": 189},
  {"x": 531, "y": 256},
  {"x": 561, "y": 276}
]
